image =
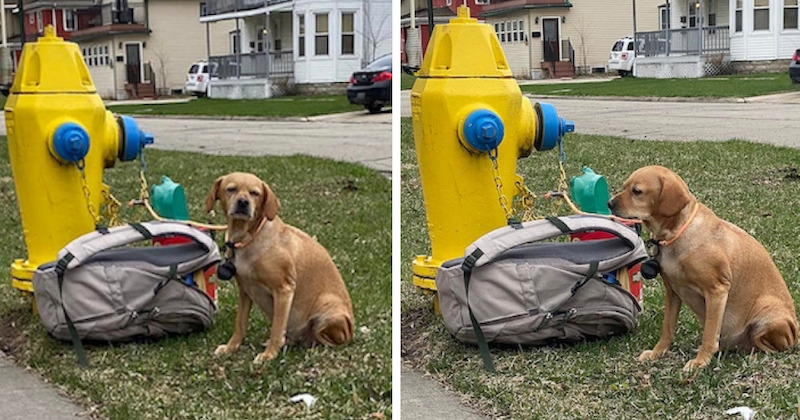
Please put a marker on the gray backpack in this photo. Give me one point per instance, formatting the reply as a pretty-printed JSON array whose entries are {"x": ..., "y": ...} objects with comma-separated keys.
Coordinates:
[
  {"x": 512, "y": 288},
  {"x": 101, "y": 290}
]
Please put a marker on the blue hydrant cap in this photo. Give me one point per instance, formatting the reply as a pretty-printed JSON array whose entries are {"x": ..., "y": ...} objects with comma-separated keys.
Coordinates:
[
  {"x": 483, "y": 130},
  {"x": 132, "y": 139},
  {"x": 71, "y": 142},
  {"x": 553, "y": 128}
]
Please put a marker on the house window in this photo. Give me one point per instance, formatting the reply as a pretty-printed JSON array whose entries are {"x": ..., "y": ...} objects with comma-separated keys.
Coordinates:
[
  {"x": 481, "y": 1},
  {"x": 203, "y": 10},
  {"x": 70, "y": 20},
  {"x": 348, "y": 33},
  {"x": 39, "y": 21},
  {"x": 234, "y": 37},
  {"x": 790, "y": 14},
  {"x": 521, "y": 31},
  {"x": 738, "y": 16},
  {"x": 663, "y": 18},
  {"x": 301, "y": 36},
  {"x": 96, "y": 55},
  {"x": 693, "y": 14},
  {"x": 449, "y": 3},
  {"x": 761, "y": 15},
  {"x": 260, "y": 44},
  {"x": 502, "y": 32},
  {"x": 514, "y": 32},
  {"x": 321, "y": 34}
]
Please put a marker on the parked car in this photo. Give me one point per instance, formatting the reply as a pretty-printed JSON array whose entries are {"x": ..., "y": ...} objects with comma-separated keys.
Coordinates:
[
  {"x": 622, "y": 57},
  {"x": 198, "y": 77},
  {"x": 794, "y": 67},
  {"x": 372, "y": 86}
]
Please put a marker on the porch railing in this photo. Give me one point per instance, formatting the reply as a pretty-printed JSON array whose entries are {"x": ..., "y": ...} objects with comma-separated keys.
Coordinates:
[
  {"x": 253, "y": 65},
  {"x": 685, "y": 41},
  {"x": 108, "y": 14},
  {"x": 215, "y": 7}
]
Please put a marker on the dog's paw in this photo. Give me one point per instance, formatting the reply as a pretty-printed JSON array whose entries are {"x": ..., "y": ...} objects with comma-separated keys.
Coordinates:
[
  {"x": 696, "y": 363},
  {"x": 225, "y": 349},
  {"x": 650, "y": 355},
  {"x": 264, "y": 357}
]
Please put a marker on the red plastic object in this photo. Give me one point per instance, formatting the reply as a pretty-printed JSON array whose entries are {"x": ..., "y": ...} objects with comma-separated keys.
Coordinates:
[{"x": 210, "y": 284}]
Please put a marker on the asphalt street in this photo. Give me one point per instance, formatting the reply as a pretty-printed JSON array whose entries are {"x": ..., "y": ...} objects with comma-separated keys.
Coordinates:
[
  {"x": 771, "y": 119},
  {"x": 352, "y": 137}
]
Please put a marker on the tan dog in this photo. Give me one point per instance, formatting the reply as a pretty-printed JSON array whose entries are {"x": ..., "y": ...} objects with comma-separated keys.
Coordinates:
[
  {"x": 289, "y": 275},
  {"x": 722, "y": 273}
]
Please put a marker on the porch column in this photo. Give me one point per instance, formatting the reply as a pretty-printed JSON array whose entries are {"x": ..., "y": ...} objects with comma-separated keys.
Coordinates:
[
  {"x": 267, "y": 42},
  {"x": 238, "y": 50}
]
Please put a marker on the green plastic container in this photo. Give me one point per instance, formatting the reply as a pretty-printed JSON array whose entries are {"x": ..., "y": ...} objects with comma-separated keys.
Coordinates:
[
  {"x": 590, "y": 192},
  {"x": 169, "y": 200}
]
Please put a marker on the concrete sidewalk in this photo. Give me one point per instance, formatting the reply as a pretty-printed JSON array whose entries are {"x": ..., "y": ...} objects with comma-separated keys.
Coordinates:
[
  {"x": 423, "y": 398},
  {"x": 25, "y": 396}
]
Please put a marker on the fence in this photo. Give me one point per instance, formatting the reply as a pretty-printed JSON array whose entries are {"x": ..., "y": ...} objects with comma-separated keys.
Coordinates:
[{"x": 685, "y": 41}]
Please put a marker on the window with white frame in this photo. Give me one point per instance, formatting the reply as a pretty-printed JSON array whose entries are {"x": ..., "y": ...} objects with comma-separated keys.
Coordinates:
[
  {"x": 663, "y": 18},
  {"x": 203, "y": 9},
  {"x": 260, "y": 41},
  {"x": 348, "y": 33},
  {"x": 234, "y": 39},
  {"x": 510, "y": 32},
  {"x": 790, "y": 15},
  {"x": 39, "y": 21},
  {"x": 483, "y": 2},
  {"x": 301, "y": 36},
  {"x": 693, "y": 14},
  {"x": 320, "y": 34},
  {"x": 761, "y": 15},
  {"x": 70, "y": 20},
  {"x": 739, "y": 14},
  {"x": 96, "y": 55},
  {"x": 449, "y": 3}
]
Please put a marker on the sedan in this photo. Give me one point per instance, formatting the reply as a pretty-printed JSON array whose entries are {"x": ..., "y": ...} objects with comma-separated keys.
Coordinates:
[{"x": 372, "y": 86}]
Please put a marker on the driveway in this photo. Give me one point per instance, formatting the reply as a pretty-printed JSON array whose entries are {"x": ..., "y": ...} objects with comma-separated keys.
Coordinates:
[
  {"x": 772, "y": 119},
  {"x": 352, "y": 137}
]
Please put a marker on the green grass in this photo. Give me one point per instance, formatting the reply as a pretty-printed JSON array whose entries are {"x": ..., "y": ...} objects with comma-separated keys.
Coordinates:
[
  {"x": 346, "y": 206},
  {"x": 281, "y": 107},
  {"x": 407, "y": 81},
  {"x": 736, "y": 86},
  {"x": 753, "y": 185}
]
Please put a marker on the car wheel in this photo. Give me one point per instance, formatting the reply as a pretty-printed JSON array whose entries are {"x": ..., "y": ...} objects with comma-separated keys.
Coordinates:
[{"x": 373, "y": 108}]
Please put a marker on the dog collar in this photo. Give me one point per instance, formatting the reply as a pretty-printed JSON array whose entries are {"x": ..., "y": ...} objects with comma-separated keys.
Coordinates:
[
  {"x": 663, "y": 242},
  {"x": 242, "y": 244}
]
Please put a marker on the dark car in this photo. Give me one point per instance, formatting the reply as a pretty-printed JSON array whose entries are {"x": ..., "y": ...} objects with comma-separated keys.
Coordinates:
[
  {"x": 372, "y": 86},
  {"x": 794, "y": 67}
]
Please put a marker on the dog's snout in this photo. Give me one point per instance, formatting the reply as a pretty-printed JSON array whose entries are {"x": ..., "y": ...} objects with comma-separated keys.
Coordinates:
[
  {"x": 242, "y": 206},
  {"x": 612, "y": 205}
]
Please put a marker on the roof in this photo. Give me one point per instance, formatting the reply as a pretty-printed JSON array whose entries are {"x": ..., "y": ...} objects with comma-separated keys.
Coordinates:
[{"x": 510, "y": 6}]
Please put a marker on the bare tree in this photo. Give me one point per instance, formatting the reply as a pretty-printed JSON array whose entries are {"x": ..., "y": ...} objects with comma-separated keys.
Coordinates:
[
  {"x": 583, "y": 34},
  {"x": 162, "y": 58},
  {"x": 373, "y": 32}
]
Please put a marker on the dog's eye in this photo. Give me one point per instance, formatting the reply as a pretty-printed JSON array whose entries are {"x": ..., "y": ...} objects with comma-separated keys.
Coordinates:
[
  {"x": 231, "y": 189},
  {"x": 635, "y": 191},
  {"x": 255, "y": 193}
]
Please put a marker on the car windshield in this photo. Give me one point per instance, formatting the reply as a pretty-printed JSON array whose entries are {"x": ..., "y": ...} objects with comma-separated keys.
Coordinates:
[
  {"x": 618, "y": 46},
  {"x": 383, "y": 62}
]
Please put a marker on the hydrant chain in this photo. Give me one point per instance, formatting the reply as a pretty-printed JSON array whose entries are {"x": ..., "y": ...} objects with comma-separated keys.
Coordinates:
[
  {"x": 498, "y": 182},
  {"x": 86, "y": 192}
]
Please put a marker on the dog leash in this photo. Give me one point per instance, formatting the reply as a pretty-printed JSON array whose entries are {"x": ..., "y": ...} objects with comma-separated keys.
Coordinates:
[{"x": 227, "y": 269}]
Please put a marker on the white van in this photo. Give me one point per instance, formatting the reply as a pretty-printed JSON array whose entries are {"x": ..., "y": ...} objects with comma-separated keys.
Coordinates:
[
  {"x": 198, "y": 77},
  {"x": 622, "y": 56}
]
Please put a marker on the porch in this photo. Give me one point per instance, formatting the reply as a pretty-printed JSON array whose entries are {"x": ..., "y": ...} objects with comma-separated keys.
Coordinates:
[{"x": 694, "y": 41}]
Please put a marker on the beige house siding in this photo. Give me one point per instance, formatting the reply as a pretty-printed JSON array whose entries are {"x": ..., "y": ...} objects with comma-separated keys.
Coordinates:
[
  {"x": 591, "y": 27},
  {"x": 178, "y": 39}
]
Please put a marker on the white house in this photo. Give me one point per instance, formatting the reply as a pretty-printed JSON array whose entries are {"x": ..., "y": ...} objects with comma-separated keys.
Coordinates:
[
  {"x": 278, "y": 46},
  {"x": 705, "y": 37}
]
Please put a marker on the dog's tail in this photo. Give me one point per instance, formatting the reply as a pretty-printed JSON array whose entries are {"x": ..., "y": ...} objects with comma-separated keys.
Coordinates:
[
  {"x": 776, "y": 336},
  {"x": 335, "y": 326}
]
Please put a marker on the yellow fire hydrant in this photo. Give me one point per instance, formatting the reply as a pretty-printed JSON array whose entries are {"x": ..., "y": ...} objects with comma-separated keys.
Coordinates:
[
  {"x": 60, "y": 138},
  {"x": 471, "y": 124}
]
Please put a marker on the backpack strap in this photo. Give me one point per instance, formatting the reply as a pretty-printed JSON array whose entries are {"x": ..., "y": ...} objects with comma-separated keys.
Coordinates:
[
  {"x": 80, "y": 352},
  {"x": 500, "y": 240},
  {"x": 467, "y": 266}
]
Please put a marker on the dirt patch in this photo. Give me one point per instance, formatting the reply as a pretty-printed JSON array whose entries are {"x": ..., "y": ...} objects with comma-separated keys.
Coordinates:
[
  {"x": 414, "y": 343},
  {"x": 779, "y": 175},
  {"x": 13, "y": 340}
]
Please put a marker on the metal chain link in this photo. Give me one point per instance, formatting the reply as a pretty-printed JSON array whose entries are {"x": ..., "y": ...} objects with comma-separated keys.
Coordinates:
[
  {"x": 498, "y": 182},
  {"x": 111, "y": 209},
  {"x": 526, "y": 202},
  {"x": 87, "y": 192}
]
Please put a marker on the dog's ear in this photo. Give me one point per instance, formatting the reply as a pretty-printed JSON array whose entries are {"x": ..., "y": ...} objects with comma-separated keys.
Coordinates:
[
  {"x": 270, "y": 203},
  {"x": 212, "y": 196},
  {"x": 674, "y": 195}
]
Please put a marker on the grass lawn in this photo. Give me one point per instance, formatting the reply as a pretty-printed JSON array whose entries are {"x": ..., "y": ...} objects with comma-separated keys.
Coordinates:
[
  {"x": 281, "y": 107},
  {"x": 406, "y": 81},
  {"x": 755, "y": 186},
  {"x": 346, "y": 206},
  {"x": 736, "y": 86}
]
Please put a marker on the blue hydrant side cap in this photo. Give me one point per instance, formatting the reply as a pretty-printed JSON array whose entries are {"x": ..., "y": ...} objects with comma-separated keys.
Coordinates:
[
  {"x": 133, "y": 139},
  {"x": 483, "y": 130},
  {"x": 554, "y": 126},
  {"x": 71, "y": 142}
]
